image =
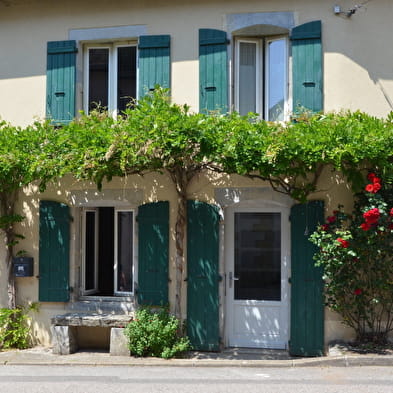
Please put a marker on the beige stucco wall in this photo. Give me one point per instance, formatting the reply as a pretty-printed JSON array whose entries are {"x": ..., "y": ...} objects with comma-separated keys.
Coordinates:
[
  {"x": 356, "y": 76},
  {"x": 356, "y": 57},
  {"x": 150, "y": 188}
]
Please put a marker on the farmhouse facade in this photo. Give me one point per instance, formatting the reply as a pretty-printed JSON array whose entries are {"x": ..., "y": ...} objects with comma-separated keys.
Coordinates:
[{"x": 250, "y": 279}]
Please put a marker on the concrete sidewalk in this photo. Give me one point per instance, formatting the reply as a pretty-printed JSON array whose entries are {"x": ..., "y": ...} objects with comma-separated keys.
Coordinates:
[{"x": 228, "y": 358}]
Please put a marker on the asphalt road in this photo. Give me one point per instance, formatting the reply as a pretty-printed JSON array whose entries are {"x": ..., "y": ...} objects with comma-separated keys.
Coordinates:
[{"x": 119, "y": 379}]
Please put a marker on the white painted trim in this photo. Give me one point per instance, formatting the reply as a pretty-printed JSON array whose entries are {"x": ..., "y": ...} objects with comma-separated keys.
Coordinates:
[
  {"x": 115, "y": 259},
  {"x": 258, "y": 72},
  {"x": 82, "y": 238},
  {"x": 112, "y": 72},
  {"x": 83, "y": 287},
  {"x": 112, "y": 76}
]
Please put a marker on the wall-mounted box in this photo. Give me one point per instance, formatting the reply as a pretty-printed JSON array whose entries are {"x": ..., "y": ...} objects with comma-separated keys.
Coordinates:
[{"x": 23, "y": 266}]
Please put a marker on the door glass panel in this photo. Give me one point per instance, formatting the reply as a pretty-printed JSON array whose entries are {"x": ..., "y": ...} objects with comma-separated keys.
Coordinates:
[
  {"x": 276, "y": 79},
  {"x": 124, "y": 251},
  {"x": 90, "y": 250},
  {"x": 126, "y": 76},
  {"x": 257, "y": 256},
  {"x": 247, "y": 77},
  {"x": 98, "y": 77}
]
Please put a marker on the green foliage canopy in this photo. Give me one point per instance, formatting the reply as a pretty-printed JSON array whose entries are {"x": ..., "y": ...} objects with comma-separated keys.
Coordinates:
[{"x": 156, "y": 134}]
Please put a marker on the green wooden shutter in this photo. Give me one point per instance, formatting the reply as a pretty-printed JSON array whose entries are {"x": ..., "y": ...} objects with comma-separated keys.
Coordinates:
[
  {"x": 154, "y": 62},
  {"x": 153, "y": 241},
  {"x": 54, "y": 252},
  {"x": 213, "y": 71},
  {"x": 307, "y": 78},
  {"x": 307, "y": 303},
  {"x": 60, "y": 81},
  {"x": 203, "y": 276}
]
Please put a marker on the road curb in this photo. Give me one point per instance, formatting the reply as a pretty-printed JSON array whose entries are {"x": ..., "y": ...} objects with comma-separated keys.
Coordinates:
[{"x": 19, "y": 358}]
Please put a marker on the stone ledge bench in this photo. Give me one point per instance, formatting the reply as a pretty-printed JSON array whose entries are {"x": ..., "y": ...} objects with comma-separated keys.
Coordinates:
[{"x": 64, "y": 331}]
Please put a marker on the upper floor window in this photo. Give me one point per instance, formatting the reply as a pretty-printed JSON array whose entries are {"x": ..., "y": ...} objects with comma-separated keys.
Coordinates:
[
  {"x": 261, "y": 68},
  {"x": 110, "y": 71},
  {"x": 110, "y": 77}
]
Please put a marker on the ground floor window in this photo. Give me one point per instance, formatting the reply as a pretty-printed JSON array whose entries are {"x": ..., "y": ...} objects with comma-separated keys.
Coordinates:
[{"x": 108, "y": 251}]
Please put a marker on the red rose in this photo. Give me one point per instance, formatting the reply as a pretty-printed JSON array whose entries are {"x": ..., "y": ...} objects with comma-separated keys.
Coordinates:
[
  {"x": 371, "y": 176},
  {"x": 371, "y": 216},
  {"x": 365, "y": 226},
  {"x": 376, "y": 187},
  {"x": 376, "y": 180},
  {"x": 373, "y": 188},
  {"x": 357, "y": 291},
  {"x": 325, "y": 227},
  {"x": 369, "y": 188},
  {"x": 344, "y": 243},
  {"x": 331, "y": 219},
  {"x": 391, "y": 212}
]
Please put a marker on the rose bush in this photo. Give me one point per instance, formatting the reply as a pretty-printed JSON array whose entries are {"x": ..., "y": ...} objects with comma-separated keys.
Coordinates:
[{"x": 356, "y": 254}]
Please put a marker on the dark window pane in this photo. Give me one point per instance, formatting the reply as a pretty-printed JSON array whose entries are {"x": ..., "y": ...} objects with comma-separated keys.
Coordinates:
[
  {"x": 90, "y": 250},
  {"x": 258, "y": 256},
  {"x": 98, "y": 78},
  {"x": 124, "y": 251},
  {"x": 126, "y": 76},
  {"x": 106, "y": 250}
]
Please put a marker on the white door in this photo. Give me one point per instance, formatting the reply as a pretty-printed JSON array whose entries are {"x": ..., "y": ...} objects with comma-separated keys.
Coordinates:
[{"x": 257, "y": 241}]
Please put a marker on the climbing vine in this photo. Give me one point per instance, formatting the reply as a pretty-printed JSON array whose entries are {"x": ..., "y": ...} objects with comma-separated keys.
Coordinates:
[{"x": 156, "y": 135}]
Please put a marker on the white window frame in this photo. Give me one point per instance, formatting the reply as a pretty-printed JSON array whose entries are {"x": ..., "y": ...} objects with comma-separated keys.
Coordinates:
[
  {"x": 115, "y": 259},
  {"x": 259, "y": 62},
  {"x": 262, "y": 70},
  {"x": 93, "y": 290},
  {"x": 112, "y": 72}
]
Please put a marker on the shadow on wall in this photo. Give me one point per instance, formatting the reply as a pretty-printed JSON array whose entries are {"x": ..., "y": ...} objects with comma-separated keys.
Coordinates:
[{"x": 357, "y": 38}]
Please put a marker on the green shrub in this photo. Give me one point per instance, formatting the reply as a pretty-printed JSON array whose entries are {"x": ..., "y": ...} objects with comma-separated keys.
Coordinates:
[
  {"x": 155, "y": 334},
  {"x": 14, "y": 330}
]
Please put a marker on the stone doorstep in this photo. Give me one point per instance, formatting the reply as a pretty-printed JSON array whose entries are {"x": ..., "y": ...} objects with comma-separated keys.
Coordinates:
[{"x": 91, "y": 320}]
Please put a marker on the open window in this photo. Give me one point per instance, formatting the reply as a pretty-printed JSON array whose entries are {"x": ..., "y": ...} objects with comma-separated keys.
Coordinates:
[
  {"x": 261, "y": 69},
  {"x": 108, "y": 251},
  {"x": 114, "y": 72},
  {"x": 110, "y": 76}
]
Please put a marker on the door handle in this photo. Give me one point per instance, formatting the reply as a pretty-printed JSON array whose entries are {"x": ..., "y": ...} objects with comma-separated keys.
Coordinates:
[{"x": 232, "y": 278}]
